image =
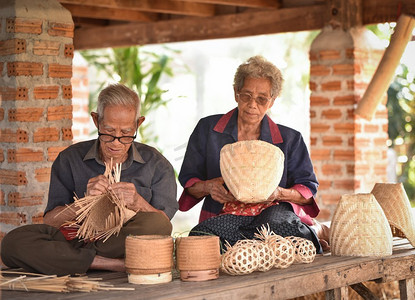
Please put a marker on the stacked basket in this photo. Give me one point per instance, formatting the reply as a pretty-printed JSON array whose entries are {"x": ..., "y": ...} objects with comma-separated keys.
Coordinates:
[
  {"x": 198, "y": 257},
  {"x": 149, "y": 259}
]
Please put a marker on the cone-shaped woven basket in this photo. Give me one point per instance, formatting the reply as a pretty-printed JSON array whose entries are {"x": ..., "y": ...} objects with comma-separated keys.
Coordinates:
[
  {"x": 198, "y": 257},
  {"x": 251, "y": 170},
  {"x": 360, "y": 228},
  {"x": 395, "y": 203},
  {"x": 149, "y": 255}
]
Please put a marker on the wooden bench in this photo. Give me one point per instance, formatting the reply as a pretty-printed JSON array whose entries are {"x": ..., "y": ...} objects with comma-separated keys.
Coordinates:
[{"x": 327, "y": 273}]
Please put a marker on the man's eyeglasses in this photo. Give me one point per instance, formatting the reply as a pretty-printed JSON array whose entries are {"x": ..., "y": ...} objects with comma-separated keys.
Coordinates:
[
  {"x": 108, "y": 138},
  {"x": 260, "y": 100}
]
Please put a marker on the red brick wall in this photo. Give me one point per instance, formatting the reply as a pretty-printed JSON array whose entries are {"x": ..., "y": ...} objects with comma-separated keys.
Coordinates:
[
  {"x": 36, "y": 51},
  {"x": 348, "y": 152}
]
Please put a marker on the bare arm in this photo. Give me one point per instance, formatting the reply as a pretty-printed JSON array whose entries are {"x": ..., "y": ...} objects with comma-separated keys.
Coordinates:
[{"x": 59, "y": 215}]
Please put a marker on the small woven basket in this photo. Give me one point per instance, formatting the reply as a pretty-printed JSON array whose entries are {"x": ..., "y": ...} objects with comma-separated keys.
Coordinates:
[
  {"x": 359, "y": 228},
  {"x": 149, "y": 258},
  {"x": 242, "y": 258},
  {"x": 198, "y": 257},
  {"x": 304, "y": 250},
  {"x": 395, "y": 204},
  {"x": 251, "y": 170}
]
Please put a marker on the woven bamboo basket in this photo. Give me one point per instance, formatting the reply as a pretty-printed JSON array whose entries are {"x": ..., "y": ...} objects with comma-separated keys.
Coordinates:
[
  {"x": 395, "y": 204},
  {"x": 359, "y": 228},
  {"x": 251, "y": 170},
  {"x": 198, "y": 257},
  {"x": 241, "y": 258},
  {"x": 149, "y": 258}
]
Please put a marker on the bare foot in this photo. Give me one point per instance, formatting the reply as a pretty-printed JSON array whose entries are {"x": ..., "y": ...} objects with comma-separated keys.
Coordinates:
[{"x": 109, "y": 264}]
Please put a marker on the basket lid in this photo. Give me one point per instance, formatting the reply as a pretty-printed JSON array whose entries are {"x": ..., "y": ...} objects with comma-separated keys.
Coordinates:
[
  {"x": 359, "y": 228},
  {"x": 395, "y": 203},
  {"x": 251, "y": 170}
]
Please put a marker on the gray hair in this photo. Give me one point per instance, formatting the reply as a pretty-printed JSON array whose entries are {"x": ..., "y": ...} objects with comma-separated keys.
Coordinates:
[
  {"x": 118, "y": 95},
  {"x": 259, "y": 67}
]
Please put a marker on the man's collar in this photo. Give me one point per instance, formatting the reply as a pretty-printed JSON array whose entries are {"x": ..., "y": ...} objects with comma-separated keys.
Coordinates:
[{"x": 133, "y": 155}]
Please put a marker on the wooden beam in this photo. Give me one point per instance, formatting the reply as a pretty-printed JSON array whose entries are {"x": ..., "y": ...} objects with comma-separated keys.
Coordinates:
[
  {"x": 191, "y": 29},
  {"x": 243, "y": 3},
  {"x": 158, "y": 6},
  {"x": 386, "y": 11},
  {"x": 363, "y": 291},
  {"x": 345, "y": 13},
  {"x": 109, "y": 13},
  {"x": 385, "y": 71},
  {"x": 407, "y": 288}
]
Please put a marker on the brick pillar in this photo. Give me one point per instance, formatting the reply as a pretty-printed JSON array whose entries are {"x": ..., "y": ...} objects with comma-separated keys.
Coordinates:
[
  {"x": 36, "y": 50},
  {"x": 349, "y": 153}
]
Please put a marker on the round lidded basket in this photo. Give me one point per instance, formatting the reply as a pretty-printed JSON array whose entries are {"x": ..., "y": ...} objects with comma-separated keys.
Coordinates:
[
  {"x": 252, "y": 169},
  {"x": 393, "y": 199},
  {"x": 149, "y": 258},
  {"x": 198, "y": 257},
  {"x": 359, "y": 228}
]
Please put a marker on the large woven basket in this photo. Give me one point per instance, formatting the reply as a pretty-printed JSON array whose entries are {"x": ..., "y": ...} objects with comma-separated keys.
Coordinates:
[
  {"x": 251, "y": 170},
  {"x": 360, "y": 228},
  {"x": 395, "y": 203},
  {"x": 198, "y": 257},
  {"x": 149, "y": 255}
]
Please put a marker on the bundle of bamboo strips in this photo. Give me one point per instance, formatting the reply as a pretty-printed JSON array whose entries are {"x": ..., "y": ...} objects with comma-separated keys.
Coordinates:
[
  {"x": 32, "y": 282},
  {"x": 101, "y": 216}
]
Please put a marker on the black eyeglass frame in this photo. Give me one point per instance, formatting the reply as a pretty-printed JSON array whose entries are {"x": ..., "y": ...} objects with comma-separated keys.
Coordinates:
[{"x": 117, "y": 137}]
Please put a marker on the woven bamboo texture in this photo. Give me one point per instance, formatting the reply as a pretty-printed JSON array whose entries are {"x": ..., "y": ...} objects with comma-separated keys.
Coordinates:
[
  {"x": 395, "y": 204},
  {"x": 101, "y": 216},
  {"x": 148, "y": 254},
  {"x": 268, "y": 250},
  {"x": 359, "y": 227},
  {"x": 198, "y": 253},
  {"x": 304, "y": 250},
  {"x": 251, "y": 170}
]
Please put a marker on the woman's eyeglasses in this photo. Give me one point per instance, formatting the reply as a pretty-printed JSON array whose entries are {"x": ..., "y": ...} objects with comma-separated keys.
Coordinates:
[
  {"x": 108, "y": 138},
  {"x": 260, "y": 100}
]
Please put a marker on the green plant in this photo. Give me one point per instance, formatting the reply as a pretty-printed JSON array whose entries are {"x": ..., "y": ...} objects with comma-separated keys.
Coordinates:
[
  {"x": 138, "y": 69},
  {"x": 401, "y": 110}
]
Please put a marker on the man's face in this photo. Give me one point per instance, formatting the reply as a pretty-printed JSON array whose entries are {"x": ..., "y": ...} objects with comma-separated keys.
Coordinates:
[{"x": 117, "y": 121}]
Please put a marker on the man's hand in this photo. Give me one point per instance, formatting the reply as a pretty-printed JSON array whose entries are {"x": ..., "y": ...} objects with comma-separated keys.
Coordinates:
[
  {"x": 126, "y": 192},
  {"x": 97, "y": 185}
]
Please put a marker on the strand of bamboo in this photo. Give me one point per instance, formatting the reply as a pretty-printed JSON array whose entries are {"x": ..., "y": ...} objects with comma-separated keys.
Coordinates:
[
  {"x": 385, "y": 72},
  {"x": 52, "y": 283}
]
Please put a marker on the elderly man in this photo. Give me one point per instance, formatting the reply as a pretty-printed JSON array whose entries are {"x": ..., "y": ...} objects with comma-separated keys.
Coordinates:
[{"x": 147, "y": 187}]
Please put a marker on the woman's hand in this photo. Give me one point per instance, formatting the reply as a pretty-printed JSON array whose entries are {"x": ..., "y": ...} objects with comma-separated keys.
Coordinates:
[
  {"x": 291, "y": 195},
  {"x": 214, "y": 188},
  {"x": 97, "y": 185}
]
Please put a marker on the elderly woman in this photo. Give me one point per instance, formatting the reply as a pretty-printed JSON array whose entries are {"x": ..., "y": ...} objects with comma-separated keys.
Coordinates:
[{"x": 291, "y": 207}]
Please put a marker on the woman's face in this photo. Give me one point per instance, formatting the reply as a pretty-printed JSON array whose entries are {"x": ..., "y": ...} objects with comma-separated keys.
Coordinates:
[
  {"x": 117, "y": 121},
  {"x": 253, "y": 111}
]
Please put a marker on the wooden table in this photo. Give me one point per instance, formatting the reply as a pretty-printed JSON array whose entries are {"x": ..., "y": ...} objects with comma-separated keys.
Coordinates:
[{"x": 327, "y": 273}]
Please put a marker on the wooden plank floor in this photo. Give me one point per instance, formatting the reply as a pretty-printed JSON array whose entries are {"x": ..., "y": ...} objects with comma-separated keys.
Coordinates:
[{"x": 326, "y": 272}]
